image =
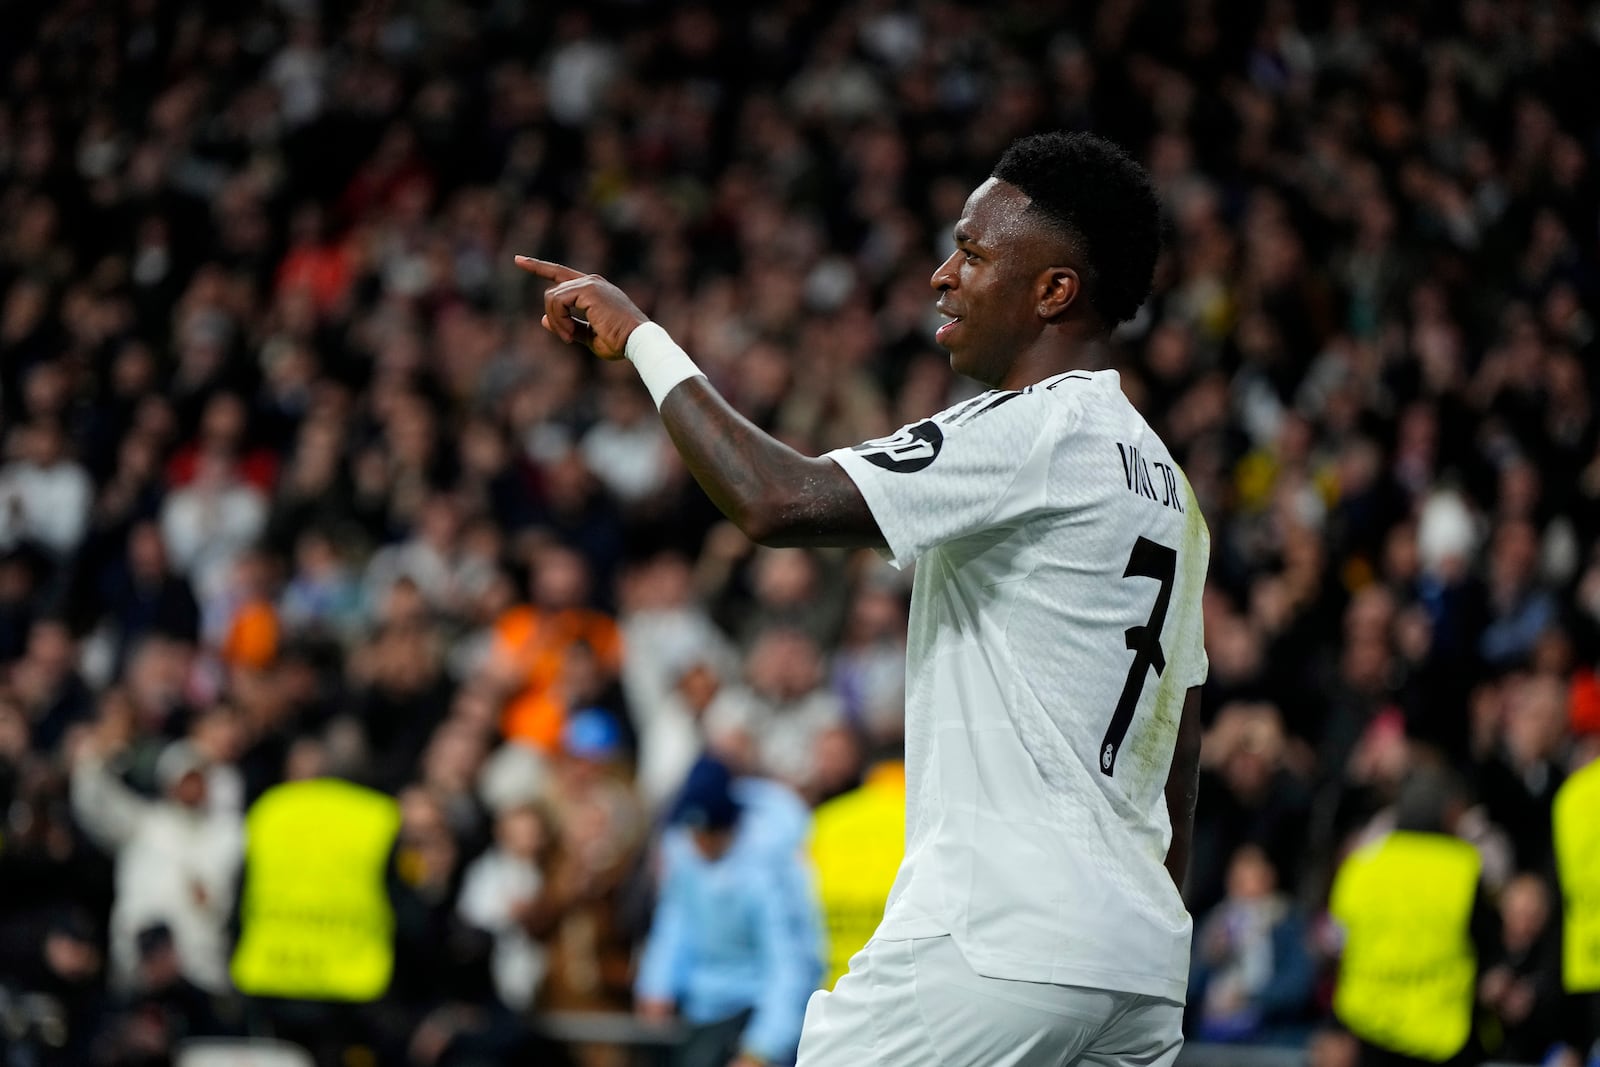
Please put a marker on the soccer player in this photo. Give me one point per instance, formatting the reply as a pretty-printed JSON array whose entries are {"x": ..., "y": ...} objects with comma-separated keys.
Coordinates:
[{"x": 1055, "y": 646}]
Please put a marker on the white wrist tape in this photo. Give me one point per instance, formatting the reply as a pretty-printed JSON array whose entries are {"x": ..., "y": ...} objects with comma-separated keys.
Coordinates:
[{"x": 660, "y": 362}]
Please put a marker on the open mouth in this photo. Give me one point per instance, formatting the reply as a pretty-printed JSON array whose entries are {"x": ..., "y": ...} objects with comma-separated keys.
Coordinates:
[{"x": 943, "y": 331}]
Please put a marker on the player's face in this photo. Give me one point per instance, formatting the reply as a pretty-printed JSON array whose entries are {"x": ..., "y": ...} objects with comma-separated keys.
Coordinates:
[{"x": 986, "y": 286}]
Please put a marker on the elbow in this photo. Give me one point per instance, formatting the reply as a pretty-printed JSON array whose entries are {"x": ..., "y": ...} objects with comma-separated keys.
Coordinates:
[
  {"x": 769, "y": 518},
  {"x": 759, "y": 527},
  {"x": 797, "y": 503}
]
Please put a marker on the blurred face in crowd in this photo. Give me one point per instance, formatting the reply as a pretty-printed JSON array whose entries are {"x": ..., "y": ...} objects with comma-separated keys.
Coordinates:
[
  {"x": 439, "y": 523},
  {"x": 190, "y": 789},
  {"x": 562, "y": 579},
  {"x": 147, "y": 557},
  {"x": 1513, "y": 558},
  {"x": 567, "y": 482},
  {"x": 483, "y": 449},
  {"x": 219, "y": 735},
  {"x": 520, "y": 832},
  {"x": 1234, "y": 647},
  {"x": 660, "y": 584},
  {"x": 223, "y": 422},
  {"x": 785, "y": 576},
  {"x": 427, "y": 852},
  {"x": 453, "y": 758},
  {"x": 784, "y": 665},
  {"x": 987, "y": 286},
  {"x": 314, "y": 555},
  {"x": 50, "y": 647},
  {"x": 876, "y": 614},
  {"x": 1524, "y": 907},
  {"x": 712, "y": 844},
  {"x": 1536, "y": 719},
  {"x": 623, "y": 403},
  {"x": 16, "y": 580},
  {"x": 1250, "y": 875},
  {"x": 72, "y": 958},
  {"x": 476, "y": 708},
  {"x": 1253, "y": 748},
  {"x": 583, "y": 677},
  {"x": 836, "y": 760},
  {"x": 307, "y": 759}
]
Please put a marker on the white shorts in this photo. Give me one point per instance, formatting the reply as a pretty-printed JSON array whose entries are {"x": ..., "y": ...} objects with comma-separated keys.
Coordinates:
[{"x": 917, "y": 1004}]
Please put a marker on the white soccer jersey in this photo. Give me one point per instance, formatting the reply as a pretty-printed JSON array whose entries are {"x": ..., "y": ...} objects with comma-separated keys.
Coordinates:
[{"x": 1055, "y": 630}]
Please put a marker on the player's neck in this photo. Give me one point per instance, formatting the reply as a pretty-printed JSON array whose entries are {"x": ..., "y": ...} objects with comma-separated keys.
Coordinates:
[{"x": 1058, "y": 355}]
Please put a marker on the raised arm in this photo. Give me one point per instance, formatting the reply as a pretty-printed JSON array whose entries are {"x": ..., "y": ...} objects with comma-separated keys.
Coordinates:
[
  {"x": 773, "y": 493},
  {"x": 107, "y": 810},
  {"x": 1183, "y": 789}
]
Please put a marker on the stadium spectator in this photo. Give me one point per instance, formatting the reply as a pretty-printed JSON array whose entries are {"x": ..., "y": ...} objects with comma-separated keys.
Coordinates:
[
  {"x": 1519, "y": 782},
  {"x": 856, "y": 844},
  {"x": 1413, "y": 999},
  {"x": 724, "y": 951},
  {"x": 1252, "y": 972},
  {"x": 776, "y": 721},
  {"x": 1525, "y": 995},
  {"x": 45, "y": 497},
  {"x": 177, "y": 859},
  {"x": 1248, "y": 795},
  {"x": 869, "y": 667},
  {"x": 672, "y": 665},
  {"x": 501, "y": 893},
  {"x": 603, "y": 829},
  {"x": 529, "y": 659}
]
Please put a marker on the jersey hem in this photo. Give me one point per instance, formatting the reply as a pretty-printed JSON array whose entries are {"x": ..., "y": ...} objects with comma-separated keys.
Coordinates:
[
  {"x": 1019, "y": 969},
  {"x": 995, "y": 965}
]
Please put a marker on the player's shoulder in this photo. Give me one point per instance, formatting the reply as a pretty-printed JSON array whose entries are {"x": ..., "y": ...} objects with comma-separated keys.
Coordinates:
[
  {"x": 975, "y": 409},
  {"x": 1056, "y": 394},
  {"x": 1082, "y": 383}
]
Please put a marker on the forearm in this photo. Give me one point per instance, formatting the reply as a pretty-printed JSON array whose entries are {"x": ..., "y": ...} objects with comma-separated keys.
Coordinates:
[
  {"x": 660, "y": 975},
  {"x": 773, "y": 1031},
  {"x": 1180, "y": 806},
  {"x": 1183, "y": 790},
  {"x": 773, "y": 493},
  {"x": 105, "y": 808}
]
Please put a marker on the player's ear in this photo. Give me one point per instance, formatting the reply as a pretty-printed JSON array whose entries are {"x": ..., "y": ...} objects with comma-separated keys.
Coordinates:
[{"x": 1058, "y": 290}]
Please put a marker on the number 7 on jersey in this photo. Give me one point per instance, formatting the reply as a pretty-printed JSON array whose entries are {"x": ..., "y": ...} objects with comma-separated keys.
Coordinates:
[{"x": 1149, "y": 560}]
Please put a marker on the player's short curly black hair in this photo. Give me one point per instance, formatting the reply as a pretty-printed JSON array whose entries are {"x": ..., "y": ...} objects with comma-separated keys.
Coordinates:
[{"x": 1104, "y": 203}]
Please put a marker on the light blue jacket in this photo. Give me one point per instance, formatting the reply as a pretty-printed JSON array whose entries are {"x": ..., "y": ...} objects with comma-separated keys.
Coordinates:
[{"x": 743, "y": 932}]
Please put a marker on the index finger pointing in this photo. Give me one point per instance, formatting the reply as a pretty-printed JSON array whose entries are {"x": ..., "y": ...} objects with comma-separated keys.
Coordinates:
[{"x": 555, "y": 272}]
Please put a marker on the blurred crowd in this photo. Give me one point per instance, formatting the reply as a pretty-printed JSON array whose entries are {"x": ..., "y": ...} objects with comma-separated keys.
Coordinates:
[{"x": 293, "y": 484}]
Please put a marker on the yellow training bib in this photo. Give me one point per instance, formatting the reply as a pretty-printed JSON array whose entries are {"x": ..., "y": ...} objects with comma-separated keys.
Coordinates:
[
  {"x": 857, "y": 841},
  {"x": 1406, "y": 979},
  {"x": 315, "y": 918},
  {"x": 1575, "y": 820}
]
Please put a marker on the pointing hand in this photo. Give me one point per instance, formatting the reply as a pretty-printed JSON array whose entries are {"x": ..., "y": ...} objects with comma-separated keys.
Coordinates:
[{"x": 585, "y": 308}]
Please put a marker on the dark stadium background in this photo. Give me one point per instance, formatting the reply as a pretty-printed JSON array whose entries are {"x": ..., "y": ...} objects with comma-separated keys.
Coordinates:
[{"x": 285, "y": 451}]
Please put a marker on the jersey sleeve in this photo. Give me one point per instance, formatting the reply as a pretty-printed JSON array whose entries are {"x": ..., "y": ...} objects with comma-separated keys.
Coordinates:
[{"x": 981, "y": 464}]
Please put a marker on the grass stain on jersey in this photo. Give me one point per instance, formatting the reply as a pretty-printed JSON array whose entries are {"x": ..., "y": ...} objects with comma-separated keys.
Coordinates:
[{"x": 1152, "y": 748}]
